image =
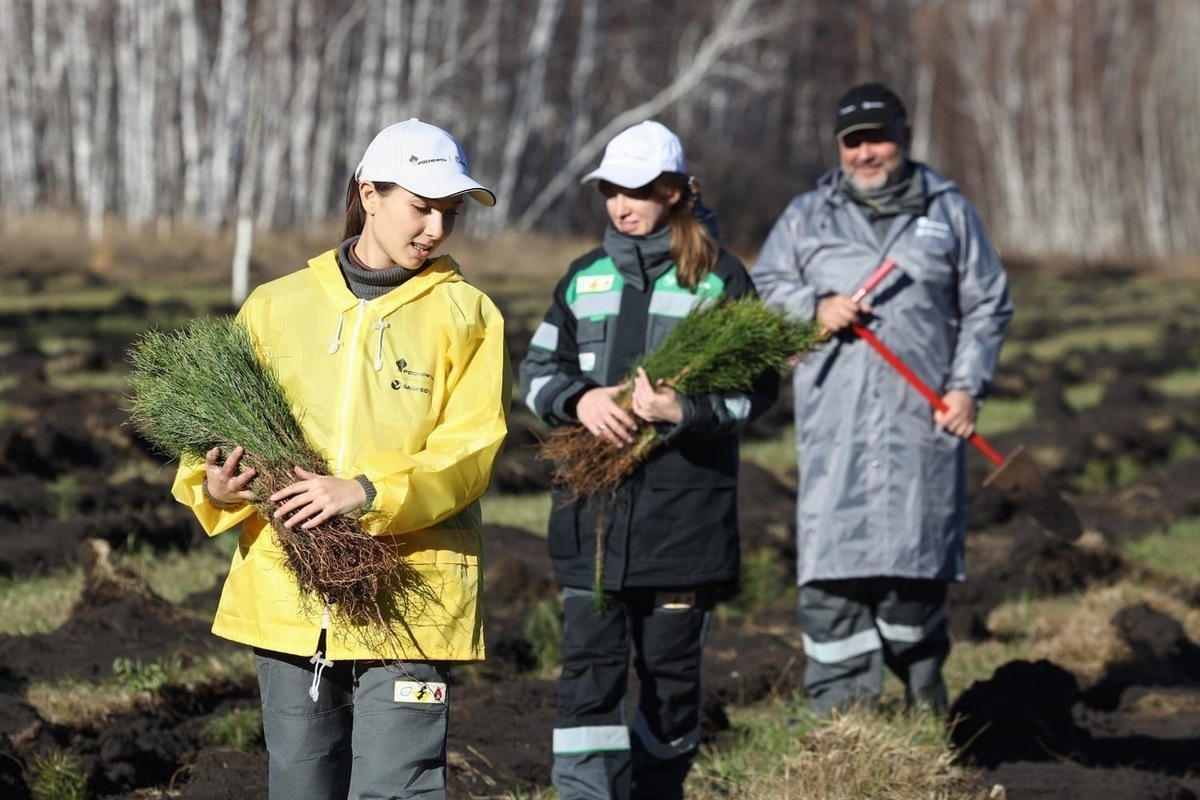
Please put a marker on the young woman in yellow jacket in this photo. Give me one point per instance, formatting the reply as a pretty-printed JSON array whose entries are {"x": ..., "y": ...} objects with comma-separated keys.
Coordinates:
[{"x": 400, "y": 376}]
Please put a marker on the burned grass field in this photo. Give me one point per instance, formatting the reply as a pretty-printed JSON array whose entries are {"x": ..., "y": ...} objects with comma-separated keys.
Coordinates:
[{"x": 1076, "y": 664}]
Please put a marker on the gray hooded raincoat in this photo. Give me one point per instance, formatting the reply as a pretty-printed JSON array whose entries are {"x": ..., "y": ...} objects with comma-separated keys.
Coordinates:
[{"x": 882, "y": 488}]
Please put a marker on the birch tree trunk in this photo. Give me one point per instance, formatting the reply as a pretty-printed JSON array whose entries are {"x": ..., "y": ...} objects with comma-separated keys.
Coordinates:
[
  {"x": 996, "y": 118},
  {"x": 18, "y": 154},
  {"x": 365, "y": 88},
  {"x": 52, "y": 118},
  {"x": 730, "y": 31},
  {"x": 419, "y": 43},
  {"x": 190, "y": 46},
  {"x": 392, "y": 67},
  {"x": 308, "y": 43},
  {"x": 524, "y": 114},
  {"x": 1070, "y": 231},
  {"x": 225, "y": 92},
  {"x": 81, "y": 96},
  {"x": 332, "y": 156},
  {"x": 490, "y": 140},
  {"x": 277, "y": 74}
]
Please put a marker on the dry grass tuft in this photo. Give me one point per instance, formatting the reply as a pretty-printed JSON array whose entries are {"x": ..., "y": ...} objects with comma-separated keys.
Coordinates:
[
  {"x": 856, "y": 755},
  {"x": 1077, "y": 632}
]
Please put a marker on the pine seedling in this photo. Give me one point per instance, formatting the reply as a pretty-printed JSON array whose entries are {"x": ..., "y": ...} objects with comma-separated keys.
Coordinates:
[
  {"x": 722, "y": 346},
  {"x": 205, "y": 386},
  {"x": 718, "y": 347}
]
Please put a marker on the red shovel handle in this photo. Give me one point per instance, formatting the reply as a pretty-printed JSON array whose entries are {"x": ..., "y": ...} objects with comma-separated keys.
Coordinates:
[
  {"x": 920, "y": 385},
  {"x": 874, "y": 280}
]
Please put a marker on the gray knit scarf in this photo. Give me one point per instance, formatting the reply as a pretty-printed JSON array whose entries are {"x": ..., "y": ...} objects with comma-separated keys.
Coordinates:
[
  {"x": 366, "y": 283},
  {"x": 906, "y": 196},
  {"x": 641, "y": 259}
]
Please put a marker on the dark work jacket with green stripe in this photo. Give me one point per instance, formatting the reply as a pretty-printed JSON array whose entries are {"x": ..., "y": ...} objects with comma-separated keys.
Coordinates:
[{"x": 674, "y": 523}]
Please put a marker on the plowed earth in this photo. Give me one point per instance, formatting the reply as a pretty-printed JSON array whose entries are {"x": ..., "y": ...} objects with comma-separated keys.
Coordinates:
[{"x": 1034, "y": 726}]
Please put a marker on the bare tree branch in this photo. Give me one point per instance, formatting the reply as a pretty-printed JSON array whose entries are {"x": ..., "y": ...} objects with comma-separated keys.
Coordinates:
[{"x": 729, "y": 33}]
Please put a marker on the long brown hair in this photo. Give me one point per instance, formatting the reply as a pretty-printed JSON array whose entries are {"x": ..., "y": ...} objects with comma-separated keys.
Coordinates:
[
  {"x": 692, "y": 245},
  {"x": 356, "y": 215}
]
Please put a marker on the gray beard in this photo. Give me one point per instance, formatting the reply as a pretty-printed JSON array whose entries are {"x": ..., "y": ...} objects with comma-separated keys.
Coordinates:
[{"x": 879, "y": 184}]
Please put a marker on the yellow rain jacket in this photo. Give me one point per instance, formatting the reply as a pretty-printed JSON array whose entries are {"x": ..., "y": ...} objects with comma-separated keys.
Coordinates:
[{"x": 410, "y": 390}]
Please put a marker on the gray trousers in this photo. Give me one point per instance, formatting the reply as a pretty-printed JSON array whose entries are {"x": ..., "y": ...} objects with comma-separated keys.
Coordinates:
[
  {"x": 853, "y": 628},
  {"x": 598, "y": 755},
  {"x": 375, "y": 730}
]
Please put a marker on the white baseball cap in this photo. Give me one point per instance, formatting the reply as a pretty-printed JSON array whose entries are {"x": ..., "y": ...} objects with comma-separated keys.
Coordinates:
[
  {"x": 422, "y": 158},
  {"x": 638, "y": 155}
]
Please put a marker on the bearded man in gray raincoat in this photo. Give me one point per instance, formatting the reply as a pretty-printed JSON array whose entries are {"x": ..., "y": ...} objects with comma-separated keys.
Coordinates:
[{"x": 881, "y": 515}]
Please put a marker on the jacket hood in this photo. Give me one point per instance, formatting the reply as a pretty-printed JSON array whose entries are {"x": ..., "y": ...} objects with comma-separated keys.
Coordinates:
[{"x": 443, "y": 269}]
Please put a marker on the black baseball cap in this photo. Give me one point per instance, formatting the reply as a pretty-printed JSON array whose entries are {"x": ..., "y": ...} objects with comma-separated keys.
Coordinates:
[{"x": 868, "y": 106}]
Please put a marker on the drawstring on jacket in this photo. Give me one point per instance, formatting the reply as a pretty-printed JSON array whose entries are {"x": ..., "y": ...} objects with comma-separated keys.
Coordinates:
[
  {"x": 380, "y": 326},
  {"x": 336, "y": 342}
]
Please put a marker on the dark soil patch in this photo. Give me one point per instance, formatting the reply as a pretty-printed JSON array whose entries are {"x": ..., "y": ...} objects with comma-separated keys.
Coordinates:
[{"x": 1031, "y": 727}]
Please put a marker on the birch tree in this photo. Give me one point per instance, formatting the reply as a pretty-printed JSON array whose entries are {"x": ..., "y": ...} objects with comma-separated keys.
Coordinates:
[
  {"x": 225, "y": 91},
  {"x": 524, "y": 116},
  {"x": 732, "y": 30},
  {"x": 189, "y": 121},
  {"x": 1067, "y": 121},
  {"x": 18, "y": 156},
  {"x": 81, "y": 92}
]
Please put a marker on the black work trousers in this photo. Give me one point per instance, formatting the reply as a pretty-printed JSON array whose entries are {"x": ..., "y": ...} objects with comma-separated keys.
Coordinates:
[{"x": 595, "y": 755}]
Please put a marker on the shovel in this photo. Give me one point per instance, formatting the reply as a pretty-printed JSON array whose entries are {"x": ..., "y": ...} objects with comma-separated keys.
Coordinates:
[{"x": 1017, "y": 475}]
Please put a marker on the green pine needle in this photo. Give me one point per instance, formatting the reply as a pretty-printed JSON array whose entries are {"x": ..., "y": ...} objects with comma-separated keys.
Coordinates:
[
  {"x": 718, "y": 347},
  {"x": 205, "y": 386},
  {"x": 726, "y": 345}
]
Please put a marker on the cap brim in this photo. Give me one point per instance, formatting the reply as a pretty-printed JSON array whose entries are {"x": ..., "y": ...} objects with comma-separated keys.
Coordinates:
[
  {"x": 450, "y": 184},
  {"x": 482, "y": 196},
  {"x": 627, "y": 176},
  {"x": 861, "y": 126}
]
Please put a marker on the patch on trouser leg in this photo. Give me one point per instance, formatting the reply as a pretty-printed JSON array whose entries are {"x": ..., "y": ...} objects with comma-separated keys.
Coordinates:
[
  {"x": 399, "y": 747},
  {"x": 591, "y": 762},
  {"x": 418, "y": 692}
]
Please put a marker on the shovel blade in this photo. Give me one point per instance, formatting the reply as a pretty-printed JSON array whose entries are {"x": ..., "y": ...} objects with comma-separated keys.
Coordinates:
[{"x": 1020, "y": 479}]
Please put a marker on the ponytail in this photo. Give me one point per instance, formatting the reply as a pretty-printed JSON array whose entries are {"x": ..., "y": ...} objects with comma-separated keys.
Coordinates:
[{"x": 693, "y": 246}]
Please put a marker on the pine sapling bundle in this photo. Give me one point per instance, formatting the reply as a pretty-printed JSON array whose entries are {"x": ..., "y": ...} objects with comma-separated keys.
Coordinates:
[
  {"x": 719, "y": 347},
  {"x": 204, "y": 386}
]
